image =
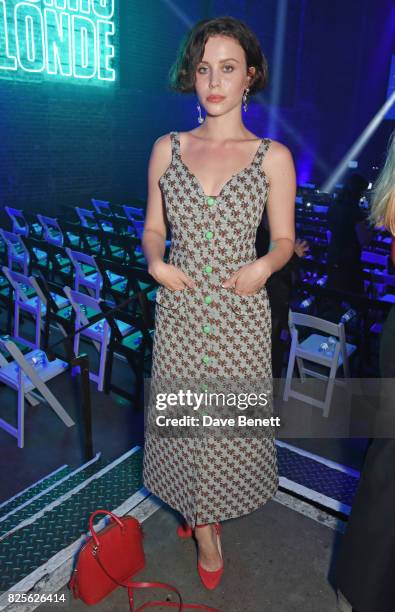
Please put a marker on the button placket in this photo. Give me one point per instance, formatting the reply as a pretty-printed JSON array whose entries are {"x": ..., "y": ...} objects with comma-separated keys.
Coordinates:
[{"x": 207, "y": 270}]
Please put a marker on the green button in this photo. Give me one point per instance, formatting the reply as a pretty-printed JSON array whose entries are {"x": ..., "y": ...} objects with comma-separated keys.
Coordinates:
[
  {"x": 207, "y": 328},
  {"x": 208, "y": 269},
  {"x": 209, "y": 235},
  {"x": 208, "y": 299},
  {"x": 204, "y": 387},
  {"x": 210, "y": 201},
  {"x": 206, "y": 359}
]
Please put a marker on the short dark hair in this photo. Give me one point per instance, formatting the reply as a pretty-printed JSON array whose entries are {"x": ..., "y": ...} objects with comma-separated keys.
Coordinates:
[{"x": 183, "y": 71}]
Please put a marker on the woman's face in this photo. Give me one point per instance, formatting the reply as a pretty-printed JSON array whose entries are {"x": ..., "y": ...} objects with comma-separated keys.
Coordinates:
[{"x": 221, "y": 75}]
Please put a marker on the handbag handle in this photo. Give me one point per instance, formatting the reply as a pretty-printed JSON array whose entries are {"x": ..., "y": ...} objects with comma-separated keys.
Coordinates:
[{"x": 93, "y": 515}]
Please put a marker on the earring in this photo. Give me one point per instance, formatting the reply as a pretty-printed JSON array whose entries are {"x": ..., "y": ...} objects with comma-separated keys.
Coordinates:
[
  {"x": 200, "y": 118},
  {"x": 245, "y": 103}
]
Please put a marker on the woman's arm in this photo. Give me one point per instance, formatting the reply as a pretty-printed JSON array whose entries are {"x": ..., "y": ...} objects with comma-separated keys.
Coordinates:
[
  {"x": 155, "y": 228},
  {"x": 280, "y": 170}
]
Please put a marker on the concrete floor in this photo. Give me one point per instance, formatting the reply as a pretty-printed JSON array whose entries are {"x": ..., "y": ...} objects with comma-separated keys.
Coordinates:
[{"x": 276, "y": 560}]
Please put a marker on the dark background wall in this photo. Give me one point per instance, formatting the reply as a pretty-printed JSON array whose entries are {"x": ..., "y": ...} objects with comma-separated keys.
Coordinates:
[{"x": 62, "y": 143}]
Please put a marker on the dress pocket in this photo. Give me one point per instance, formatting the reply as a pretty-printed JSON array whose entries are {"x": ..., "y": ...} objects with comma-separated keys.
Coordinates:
[
  {"x": 169, "y": 299},
  {"x": 249, "y": 305}
]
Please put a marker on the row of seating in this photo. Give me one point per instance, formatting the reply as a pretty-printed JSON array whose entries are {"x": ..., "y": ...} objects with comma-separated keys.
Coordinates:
[{"x": 61, "y": 275}]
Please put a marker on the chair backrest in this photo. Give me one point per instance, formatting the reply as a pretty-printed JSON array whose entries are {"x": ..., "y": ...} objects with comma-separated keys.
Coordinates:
[
  {"x": 19, "y": 223},
  {"x": 370, "y": 257},
  {"x": 81, "y": 279},
  {"x": 52, "y": 231},
  {"x": 138, "y": 226},
  {"x": 318, "y": 324},
  {"x": 20, "y": 282},
  {"x": 28, "y": 297},
  {"x": 132, "y": 213},
  {"x": 102, "y": 207},
  {"x": 77, "y": 299},
  {"x": 16, "y": 250},
  {"x": 87, "y": 217}
]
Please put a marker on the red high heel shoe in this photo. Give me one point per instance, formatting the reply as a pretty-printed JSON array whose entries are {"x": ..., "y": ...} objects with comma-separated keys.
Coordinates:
[
  {"x": 209, "y": 578},
  {"x": 184, "y": 531}
]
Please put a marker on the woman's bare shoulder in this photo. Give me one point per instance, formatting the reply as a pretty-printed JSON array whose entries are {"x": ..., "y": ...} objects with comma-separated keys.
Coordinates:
[
  {"x": 277, "y": 150},
  {"x": 161, "y": 153},
  {"x": 277, "y": 154}
]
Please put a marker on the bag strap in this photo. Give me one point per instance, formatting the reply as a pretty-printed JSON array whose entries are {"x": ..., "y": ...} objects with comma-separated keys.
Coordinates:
[{"x": 149, "y": 604}]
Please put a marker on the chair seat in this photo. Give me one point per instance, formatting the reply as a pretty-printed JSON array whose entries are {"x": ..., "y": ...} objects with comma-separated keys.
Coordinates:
[
  {"x": 133, "y": 341},
  {"x": 97, "y": 329},
  {"x": 60, "y": 300},
  {"x": 389, "y": 297},
  {"x": 114, "y": 278},
  {"x": 313, "y": 342},
  {"x": 41, "y": 255},
  {"x": 32, "y": 305},
  {"x": 46, "y": 370}
]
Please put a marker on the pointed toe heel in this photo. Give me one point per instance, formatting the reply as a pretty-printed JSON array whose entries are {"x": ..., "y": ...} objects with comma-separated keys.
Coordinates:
[
  {"x": 211, "y": 579},
  {"x": 184, "y": 531}
]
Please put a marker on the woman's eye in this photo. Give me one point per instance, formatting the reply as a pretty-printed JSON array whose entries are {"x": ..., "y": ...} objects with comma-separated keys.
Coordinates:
[
  {"x": 201, "y": 70},
  {"x": 229, "y": 66}
]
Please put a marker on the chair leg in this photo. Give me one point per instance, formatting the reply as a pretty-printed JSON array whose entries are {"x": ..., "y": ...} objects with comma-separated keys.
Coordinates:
[
  {"x": 300, "y": 365},
  {"x": 21, "y": 417},
  {"x": 108, "y": 372},
  {"x": 102, "y": 366},
  {"x": 290, "y": 370}
]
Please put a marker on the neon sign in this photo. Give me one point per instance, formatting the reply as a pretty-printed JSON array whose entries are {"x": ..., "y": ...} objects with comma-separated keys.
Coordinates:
[{"x": 72, "y": 39}]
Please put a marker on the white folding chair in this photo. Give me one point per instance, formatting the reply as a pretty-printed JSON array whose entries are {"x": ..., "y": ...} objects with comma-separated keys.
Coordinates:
[
  {"x": 310, "y": 350},
  {"x": 99, "y": 332},
  {"x": 27, "y": 375}
]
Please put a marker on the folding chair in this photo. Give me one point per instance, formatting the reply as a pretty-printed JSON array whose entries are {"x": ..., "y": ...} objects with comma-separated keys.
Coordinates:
[
  {"x": 52, "y": 230},
  {"x": 86, "y": 307},
  {"x": 87, "y": 273},
  {"x": 17, "y": 252},
  {"x": 102, "y": 207},
  {"x": 38, "y": 254},
  {"x": 59, "y": 312},
  {"x": 134, "y": 280},
  {"x": 135, "y": 347},
  {"x": 132, "y": 213},
  {"x": 27, "y": 300},
  {"x": 87, "y": 217},
  {"x": 27, "y": 375},
  {"x": 311, "y": 350},
  {"x": 19, "y": 224}
]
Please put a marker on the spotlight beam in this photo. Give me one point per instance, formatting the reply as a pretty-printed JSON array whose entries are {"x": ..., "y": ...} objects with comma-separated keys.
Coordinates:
[
  {"x": 278, "y": 56},
  {"x": 178, "y": 13},
  {"x": 359, "y": 144}
]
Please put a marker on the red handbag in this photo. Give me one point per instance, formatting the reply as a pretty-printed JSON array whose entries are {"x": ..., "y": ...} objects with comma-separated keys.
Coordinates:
[{"x": 110, "y": 559}]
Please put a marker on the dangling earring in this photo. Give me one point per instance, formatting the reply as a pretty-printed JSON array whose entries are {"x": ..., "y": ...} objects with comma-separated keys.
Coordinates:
[
  {"x": 200, "y": 118},
  {"x": 245, "y": 94}
]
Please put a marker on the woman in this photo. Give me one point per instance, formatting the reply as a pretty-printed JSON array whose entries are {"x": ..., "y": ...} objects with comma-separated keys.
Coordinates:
[
  {"x": 366, "y": 564},
  {"x": 211, "y": 185}
]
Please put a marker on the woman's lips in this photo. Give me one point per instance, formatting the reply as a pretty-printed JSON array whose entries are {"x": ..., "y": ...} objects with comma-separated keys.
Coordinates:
[{"x": 215, "y": 98}]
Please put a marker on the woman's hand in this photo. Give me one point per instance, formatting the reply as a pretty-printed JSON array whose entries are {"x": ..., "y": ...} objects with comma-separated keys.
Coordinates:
[
  {"x": 301, "y": 247},
  {"x": 170, "y": 276},
  {"x": 249, "y": 278}
]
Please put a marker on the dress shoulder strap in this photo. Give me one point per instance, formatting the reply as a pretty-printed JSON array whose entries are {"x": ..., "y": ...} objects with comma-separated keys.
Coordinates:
[
  {"x": 175, "y": 145},
  {"x": 262, "y": 150}
]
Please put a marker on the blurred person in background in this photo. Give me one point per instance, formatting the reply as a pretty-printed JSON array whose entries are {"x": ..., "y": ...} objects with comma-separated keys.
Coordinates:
[
  {"x": 366, "y": 563},
  {"x": 345, "y": 222}
]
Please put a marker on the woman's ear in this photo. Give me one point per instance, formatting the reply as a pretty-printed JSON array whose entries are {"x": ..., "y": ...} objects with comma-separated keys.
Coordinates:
[{"x": 251, "y": 75}]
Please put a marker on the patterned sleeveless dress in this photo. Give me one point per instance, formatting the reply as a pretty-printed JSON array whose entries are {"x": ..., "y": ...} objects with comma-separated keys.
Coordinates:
[{"x": 211, "y": 331}]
